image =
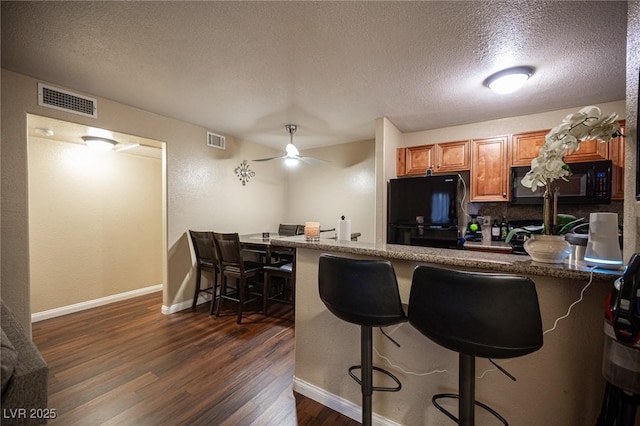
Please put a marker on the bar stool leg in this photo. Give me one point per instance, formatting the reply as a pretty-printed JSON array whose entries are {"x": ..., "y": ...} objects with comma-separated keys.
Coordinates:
[
  {"x": 366, "y": 354},
  {"x": 466, "y": 383}
]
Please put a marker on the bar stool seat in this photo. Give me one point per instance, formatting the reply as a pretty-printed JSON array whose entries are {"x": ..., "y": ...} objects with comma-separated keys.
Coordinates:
[
  {"x": 477, "y": 315},
  {"x": 365, "y": 293}
]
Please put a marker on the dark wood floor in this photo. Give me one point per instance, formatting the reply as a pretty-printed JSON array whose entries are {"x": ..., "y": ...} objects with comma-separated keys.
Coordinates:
[{"x": 128, "y": 364}]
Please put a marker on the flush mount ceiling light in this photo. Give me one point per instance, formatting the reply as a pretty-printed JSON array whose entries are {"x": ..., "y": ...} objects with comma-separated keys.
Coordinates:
[
  {"x": 509, "y": 80},
  {"x": 99, "y": 144}
]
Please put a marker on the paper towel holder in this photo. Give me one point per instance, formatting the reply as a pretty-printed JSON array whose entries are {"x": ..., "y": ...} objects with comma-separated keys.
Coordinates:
[{"x": 603, "y": 246}]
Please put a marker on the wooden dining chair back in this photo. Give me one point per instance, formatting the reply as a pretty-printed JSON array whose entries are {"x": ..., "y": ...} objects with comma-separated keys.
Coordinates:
[
  {"x": 287, "y": 230},
  {"x": 232, "y": 265},
  {"x": 281, "y": 254},
  {"x": 204, "y": 250}
]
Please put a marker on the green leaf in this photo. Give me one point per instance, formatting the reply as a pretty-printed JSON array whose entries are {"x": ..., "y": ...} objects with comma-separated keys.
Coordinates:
[{"x": 532, "y": 229}]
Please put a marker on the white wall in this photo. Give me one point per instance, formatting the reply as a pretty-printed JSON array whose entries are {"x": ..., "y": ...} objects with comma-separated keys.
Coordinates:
[
  {"x": 203, "y": 191},
  {"x": 631, "y": 207},
  {"x": 503, "y": 126},
  {"x": 344, "y": 186},
  {"x": 95, "y": 223}
]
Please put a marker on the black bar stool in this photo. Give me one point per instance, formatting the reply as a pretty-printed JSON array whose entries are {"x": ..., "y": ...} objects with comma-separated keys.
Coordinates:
[
  {"x": 477, "y": 315},
  {"x": 362, "y": 292}
]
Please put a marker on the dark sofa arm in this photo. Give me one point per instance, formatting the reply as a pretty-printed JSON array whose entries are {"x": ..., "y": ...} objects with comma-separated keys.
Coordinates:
[{"x": 24, "y": 401}]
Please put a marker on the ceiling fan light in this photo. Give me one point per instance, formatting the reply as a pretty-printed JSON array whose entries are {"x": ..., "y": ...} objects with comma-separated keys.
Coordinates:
[
  {"x": 291, "y": 161},
  {"x": 99, "y": 144},
  {"x": 509, "y": 80},
  {"x": 292, "y": 151}
]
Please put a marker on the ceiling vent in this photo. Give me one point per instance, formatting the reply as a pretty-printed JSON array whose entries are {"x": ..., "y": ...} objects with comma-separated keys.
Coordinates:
[
  {"x": 63, "y": 100},
  {"x": 216, "y": 141}
]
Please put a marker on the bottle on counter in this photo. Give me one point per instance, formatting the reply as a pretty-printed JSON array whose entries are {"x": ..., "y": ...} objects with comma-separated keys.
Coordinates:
[
  {"x": 504, "y": 229},
  {"x": 495, "y": 231}
]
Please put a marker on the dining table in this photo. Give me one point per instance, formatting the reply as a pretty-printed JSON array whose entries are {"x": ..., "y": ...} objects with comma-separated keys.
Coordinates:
[{"x": 259, "y": 243}]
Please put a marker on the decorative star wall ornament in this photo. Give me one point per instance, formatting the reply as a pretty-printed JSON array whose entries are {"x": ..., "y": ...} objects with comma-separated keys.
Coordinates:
[{"x": 244, "y": 173}]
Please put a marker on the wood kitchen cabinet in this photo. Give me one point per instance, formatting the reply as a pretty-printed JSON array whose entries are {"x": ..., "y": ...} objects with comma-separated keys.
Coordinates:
[
  {"x": 616, "y": 155},
  {"x": 525, "y": 147},
  {"x": 489, "y": 172},
  {"x": 440, "y": 158}
]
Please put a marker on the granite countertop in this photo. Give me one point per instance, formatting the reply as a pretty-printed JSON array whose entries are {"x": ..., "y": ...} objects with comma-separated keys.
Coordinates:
[{"x": 498, "y": 262}]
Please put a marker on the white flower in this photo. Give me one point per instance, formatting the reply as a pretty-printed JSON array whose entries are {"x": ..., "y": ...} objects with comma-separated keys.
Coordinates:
[{"x": 565, "y": 138}]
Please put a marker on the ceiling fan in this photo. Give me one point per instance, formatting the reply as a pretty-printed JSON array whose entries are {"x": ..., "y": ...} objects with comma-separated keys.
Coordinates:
[{"x": 293, "y": 155}]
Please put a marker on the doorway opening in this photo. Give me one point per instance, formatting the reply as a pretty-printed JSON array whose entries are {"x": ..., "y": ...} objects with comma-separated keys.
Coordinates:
[{"x": 97, "y": 220}]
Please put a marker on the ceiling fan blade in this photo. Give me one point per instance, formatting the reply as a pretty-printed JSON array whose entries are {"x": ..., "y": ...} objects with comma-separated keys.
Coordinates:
[
  {"x": 313, "y": 161},
  {"x": 269, "y": 159}
]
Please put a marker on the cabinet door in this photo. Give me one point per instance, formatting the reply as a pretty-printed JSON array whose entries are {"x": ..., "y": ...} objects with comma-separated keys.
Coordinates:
[
  {"x": 616, "y": 155},
  {"x": 419, "y": 159},
  {"x": 589, "y": 151},
  {"x": 401, "y": 166},
  {"x": 489, "y": 177},
  {"x": 525, "y": 147},
  {"x": 452, "y": 156}
]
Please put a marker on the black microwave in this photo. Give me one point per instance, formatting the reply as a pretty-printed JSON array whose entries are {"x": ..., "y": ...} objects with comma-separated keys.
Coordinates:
[{"x": 589, "y": 183}]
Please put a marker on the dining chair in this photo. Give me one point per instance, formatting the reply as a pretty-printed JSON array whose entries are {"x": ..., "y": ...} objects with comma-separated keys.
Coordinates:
[
  {"x": 280, "y": 284},
  {"x": 204, "y": 249},
  {"x": 231, "y": 264},
  {"x": 287, "y": 230},
  {"x": 286, "y": 254}
]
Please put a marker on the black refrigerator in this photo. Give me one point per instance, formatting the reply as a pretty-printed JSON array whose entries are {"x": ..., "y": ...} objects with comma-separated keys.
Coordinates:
[{"x": 425, "y": 211}]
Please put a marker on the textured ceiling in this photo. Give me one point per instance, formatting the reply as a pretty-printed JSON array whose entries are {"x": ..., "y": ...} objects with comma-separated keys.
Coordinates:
[{"x": 248, "y": 68}]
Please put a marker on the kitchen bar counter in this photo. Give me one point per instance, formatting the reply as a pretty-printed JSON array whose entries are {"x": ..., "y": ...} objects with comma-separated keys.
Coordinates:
[
  {"x": 469, "y": 258},
  {"x": 561, "y": 384}
]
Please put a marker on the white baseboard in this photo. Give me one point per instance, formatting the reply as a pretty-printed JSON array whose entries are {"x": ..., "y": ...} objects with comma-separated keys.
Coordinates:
[
  {"x": 337, "y": 403},
  {"x": 172, "y": 309},
  {"x": 77, "y": 307}
]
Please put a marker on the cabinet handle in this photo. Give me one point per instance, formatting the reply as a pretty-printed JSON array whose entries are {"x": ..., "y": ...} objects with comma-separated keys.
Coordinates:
[
  {"x": 504, "y": 195},
  {"x": 438, "y": 165}
]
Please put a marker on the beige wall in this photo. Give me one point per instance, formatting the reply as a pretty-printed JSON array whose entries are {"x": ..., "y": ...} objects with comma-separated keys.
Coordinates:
[
  {"x": 388, "y": 140},
  {"x": 503, "y": 126},
  {"x": 631, "y": 207},
  {"x": 344, "y": 186},
  {"x": 95, "y": 223},
  {"x": 202, "y": 189}
]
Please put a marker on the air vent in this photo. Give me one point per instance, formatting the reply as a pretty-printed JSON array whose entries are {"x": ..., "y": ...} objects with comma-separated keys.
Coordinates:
[
  {"x": 216, "y": 141},
  {"x": 53, "y": 97}
]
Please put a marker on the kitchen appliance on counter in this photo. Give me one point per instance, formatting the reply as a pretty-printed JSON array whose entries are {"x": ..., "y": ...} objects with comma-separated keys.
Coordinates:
[
  {"x": 589, "y": 183},
  {"x": 603, "y": 246},
  {"x": 474, "y": 229},
  {"x": 425, "y": 211},
  {"x": 621, "y": 353}
]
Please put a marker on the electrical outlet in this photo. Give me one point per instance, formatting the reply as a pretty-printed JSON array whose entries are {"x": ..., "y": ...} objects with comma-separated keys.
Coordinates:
[{"x": 486, "y": 220}]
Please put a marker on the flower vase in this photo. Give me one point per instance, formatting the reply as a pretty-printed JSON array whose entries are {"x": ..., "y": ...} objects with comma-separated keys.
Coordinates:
[{"x": 547, "y": 248}]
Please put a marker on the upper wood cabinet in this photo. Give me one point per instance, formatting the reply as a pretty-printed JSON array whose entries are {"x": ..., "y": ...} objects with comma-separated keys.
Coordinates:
[
  {"x": 589, "y": 151},
  {"x": 616, "y": 155},
  {"x": 452, "y": 157},
  {"x": 418, "y": 159},
  {"x": 440, "y": 158},
  {"x": 489, "y": 172},
  {"x": 525, "y": 147}
]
